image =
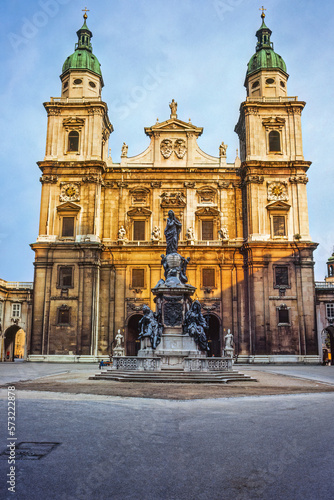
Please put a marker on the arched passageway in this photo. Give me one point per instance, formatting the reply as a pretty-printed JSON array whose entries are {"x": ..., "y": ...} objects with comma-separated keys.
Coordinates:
[
  {"x": 132, "y": 343},
  {"x": 213, "y": 335},
  {"x": 14, "y": 345}
]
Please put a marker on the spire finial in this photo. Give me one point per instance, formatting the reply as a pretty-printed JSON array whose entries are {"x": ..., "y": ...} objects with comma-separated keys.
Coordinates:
[
  {"x": 263, "y": 14},
  {"x": 85, "y": 10}
]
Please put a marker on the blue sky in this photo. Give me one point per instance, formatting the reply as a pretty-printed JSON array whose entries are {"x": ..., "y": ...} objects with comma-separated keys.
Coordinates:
[{"x": 151, "y": 51}]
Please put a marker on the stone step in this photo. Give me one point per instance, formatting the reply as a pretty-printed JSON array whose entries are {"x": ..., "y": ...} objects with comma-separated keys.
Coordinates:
[{"x": 163, "y": 377}]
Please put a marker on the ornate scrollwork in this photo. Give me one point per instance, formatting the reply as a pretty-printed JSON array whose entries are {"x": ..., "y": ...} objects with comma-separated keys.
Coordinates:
[
  {"x": 166, "y": 148},
  {"x": 299, "y": 179},
  {"x": 180, "y": 148},
  {"x": 49, "y": 179}
]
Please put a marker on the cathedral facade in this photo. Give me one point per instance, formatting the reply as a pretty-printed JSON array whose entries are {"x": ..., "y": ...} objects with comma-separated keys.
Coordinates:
[{"x": 244, "y": 224}]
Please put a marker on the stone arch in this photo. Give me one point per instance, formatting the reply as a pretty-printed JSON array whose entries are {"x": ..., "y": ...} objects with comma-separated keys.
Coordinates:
[
  {"x": 214, "y": 334},
  {"x": 132, "y": 344},
  {"x": 11, "y": 349}
]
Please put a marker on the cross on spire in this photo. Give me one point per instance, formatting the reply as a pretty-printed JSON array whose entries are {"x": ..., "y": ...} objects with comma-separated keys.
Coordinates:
[
  {"x": 263, "y": 14},
  {"x": 85, "y": 10}
]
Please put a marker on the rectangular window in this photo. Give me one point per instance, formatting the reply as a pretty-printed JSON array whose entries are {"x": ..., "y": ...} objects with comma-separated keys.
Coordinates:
[
  {"x": 68, "y": 227},
  {"x": 279, "y": 225},
  {"x": 138, "y": 278},
  {"x": 281, "y": 276},
  {"x": 139, "y": 230},
  {"x": 283, "y": 316},
  {"x": 65, "y": 277},
  {"x": 63, "y": 316},
  {"x": 329, "y": 310},
  {"x": 207, "y": 229},
  {"x": 16, "y": 310},
  {"x": 208, "y": 277}
]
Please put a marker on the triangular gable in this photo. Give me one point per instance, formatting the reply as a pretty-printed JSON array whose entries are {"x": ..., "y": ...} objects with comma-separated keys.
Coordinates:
[
  {"x": 68, "y": 206},
  {"x": 208, "y": 211},
  {"x": 173, "y": 125},
  {"x": 139, "y": 211},
  {"x": 278, "y": 205}
]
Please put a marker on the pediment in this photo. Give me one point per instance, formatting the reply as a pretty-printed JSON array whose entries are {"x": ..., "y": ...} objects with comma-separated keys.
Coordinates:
[
  {"x": 73, "y": 123},
  {"x": 173, "y": 125},
  {"x": 139, "y": 190},
  {"x": 207, "y": 211},
  {"x": 274, "y": 122},
  {"x": 278, "y": 205},
  {"x": 139, "y": 211},
  {"x": 68, "y": 206}
]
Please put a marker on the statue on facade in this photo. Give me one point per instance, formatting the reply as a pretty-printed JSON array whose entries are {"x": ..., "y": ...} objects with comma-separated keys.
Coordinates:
[
  {"x": 150, "y": 326},
  {"x": 195, "y": 325},
  {"x": 172, "y": 232},
  {"x": 122, "y": 234},
  {"x": 190, "y": 234},
  {"x": 222, "y": 149},
  {"x": 223, "y": 233},
  {"x": 156, "y": 234},
  {"x": 173, "y": 109},
  {"x": 125, "y": 148}
]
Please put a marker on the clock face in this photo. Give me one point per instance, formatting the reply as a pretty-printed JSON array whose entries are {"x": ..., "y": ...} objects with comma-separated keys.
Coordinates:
[
  {"x": 69, "y": 192},
  {"x": 277, "y": 190}
]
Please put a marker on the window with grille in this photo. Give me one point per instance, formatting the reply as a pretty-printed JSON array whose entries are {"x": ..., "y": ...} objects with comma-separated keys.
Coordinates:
[
  {"x": 68, "y": 227},
  {"x": 65, "y": 277},
  {"x": 73, "y": 141},
  {"x": 283, "y": 315},
  {"x": 207, "y": 230},
  {"x": 281, "y": 276},
  {"x": 208, "y": 277},
  {"x": 139, "y": 230},
  {"x": 16, "y": 310},
  {"x": 279, "y": 225},
  {"x": 138, "y": 278},
  {"x": 63, "y": 315},
  {"x": 274, "y": 141},
  {"x": 330, "y": 310}
]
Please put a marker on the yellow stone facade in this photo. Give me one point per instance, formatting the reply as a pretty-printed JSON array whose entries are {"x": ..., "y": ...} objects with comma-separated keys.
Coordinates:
[{"x": 244, "y": 226}]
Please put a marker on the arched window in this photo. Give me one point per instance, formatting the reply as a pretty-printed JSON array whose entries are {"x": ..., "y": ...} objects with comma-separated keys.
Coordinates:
[
  {"x": 330, "y": 271},
  {"x": 73, "y": 141},
  {"x": 274, "y": 141}
]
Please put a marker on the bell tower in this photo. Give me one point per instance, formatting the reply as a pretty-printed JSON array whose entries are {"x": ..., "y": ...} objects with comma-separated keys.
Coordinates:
[
  {"x": 278, "y": 250},
  {"x": 68, "y": 248}
]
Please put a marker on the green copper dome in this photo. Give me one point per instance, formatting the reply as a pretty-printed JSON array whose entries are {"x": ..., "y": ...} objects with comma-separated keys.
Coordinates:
[
  {"x": 83, "y": 57},
  {"x": 265, "y": 57}
]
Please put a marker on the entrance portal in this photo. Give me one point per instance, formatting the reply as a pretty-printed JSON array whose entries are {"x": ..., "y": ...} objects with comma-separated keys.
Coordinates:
[
  {"x": 132, "y": 342},
  {"x": 14, "y": 343},
  {"x": 213, "y": 335}
]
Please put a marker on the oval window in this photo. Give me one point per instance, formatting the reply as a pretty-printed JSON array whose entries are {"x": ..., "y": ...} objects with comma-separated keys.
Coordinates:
[
  {"x": 77, "y": 81},
  {"x": 65, "y": 85},
  {"x": 282, "y": 84},
  {"x": 270, "y": 81},
  {"x": 255, "y": 84},
  {"x": 92, "y": 84}
]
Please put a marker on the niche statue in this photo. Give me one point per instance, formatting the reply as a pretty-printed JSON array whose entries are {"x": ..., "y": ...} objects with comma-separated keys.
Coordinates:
[
  {"x": 150, "y": 326},
  {"x": 195, "y": 325}
]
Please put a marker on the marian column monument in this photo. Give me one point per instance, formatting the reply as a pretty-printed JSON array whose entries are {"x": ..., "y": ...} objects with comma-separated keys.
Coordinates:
[{"x": 174, "y": 336}]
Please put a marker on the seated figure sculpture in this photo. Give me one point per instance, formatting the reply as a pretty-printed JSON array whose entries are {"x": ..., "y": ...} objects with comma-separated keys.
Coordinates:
[
  {"x": 195, "y": 325},
  {"x": 150, "y": 326}
]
